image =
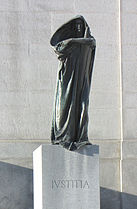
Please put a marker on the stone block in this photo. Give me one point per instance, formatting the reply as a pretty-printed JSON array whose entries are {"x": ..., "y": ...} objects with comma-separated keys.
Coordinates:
[
  {"x": 130, "y": 99},
  {"x": 40, "y": 51},
  {"x": 12, "y": 68},
  {"x": 25, "y": 123},
  {"x": 110, "y": 199},
  {"x": 104, "y": 124},
  {"x": 22, "y": 162},
  {"x": 71, "y": 179},
  {"x": 129, "y": 6},
  {"x": 129, "y": 149},
  {"x": 129, "y": 53},
  {"x": 44, "y": 67},
  {"x": 129, "y": 176},
  {"x": 18, "y": 149},
  {"x": 10, "y": 99},
  {"x": 14, "y": 5},
  {"x": 13, "y": 51},
  {"x": 19, "y": 153},
  {"x": 129, "y": 28},
  {"x": 26, "y": 99},
  {"x": 43, "y": 99},
  {"x": 42, "y": 5},
  {"x": 16, "y": 187},
  {"x": 10, "y": 26},
  {"x": 28, "y": 74},
  {"x": 129, "y": 201},
  {"x": 129, "y": 76},
  {"x": 107, "y": 52},
  {"x": 104, "y": 99},
  {"x": 18, "y": 27},
  {"x": 38, "y": 27},
  {"x": 130, "y": 123},
  {"x": 110, "y": 174},
  {"x": 100, "y": 6},
  {"x": 108, "y": 149},
  {"x": 108, "y": 70}
]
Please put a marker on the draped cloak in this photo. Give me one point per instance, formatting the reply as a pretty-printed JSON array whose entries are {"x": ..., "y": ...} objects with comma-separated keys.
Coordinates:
[{"x": 75, "y": 48}]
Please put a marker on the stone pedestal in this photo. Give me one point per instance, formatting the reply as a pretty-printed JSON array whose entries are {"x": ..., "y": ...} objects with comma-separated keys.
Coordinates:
[{"x": 66, "y": 180}]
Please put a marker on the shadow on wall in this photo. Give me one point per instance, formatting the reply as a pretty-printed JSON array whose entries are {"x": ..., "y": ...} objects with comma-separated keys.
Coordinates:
[
  {"x": 111, "y": 199},
  {"x": 16, "y": 191}
]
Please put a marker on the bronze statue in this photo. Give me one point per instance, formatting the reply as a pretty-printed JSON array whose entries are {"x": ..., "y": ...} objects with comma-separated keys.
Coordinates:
[{"x": 75, "y": 48}]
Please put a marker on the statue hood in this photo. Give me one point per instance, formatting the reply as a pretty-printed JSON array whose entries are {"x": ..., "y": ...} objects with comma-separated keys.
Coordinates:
[{"x": 75, "y": 30}]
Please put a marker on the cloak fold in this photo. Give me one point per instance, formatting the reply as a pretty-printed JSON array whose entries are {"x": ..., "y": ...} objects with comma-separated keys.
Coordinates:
[{"x": 75, "y": 48}]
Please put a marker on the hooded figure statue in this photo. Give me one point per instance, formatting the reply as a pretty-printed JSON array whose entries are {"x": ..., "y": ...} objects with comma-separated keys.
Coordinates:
[{"x": 75, "y": 48}]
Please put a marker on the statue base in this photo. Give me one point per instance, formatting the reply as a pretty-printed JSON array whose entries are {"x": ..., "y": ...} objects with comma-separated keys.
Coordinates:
[{"x": 66, "y": 179}]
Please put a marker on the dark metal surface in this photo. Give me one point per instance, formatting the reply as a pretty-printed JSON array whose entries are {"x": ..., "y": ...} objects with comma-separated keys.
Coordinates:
[{"x": 75, "y": 48}]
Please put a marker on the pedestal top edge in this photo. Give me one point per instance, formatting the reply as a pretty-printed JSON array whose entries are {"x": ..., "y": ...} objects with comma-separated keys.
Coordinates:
[{"x": 93, "y": 148}]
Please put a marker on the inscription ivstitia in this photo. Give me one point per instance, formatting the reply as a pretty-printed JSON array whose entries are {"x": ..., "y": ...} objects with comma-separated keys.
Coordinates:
[{"x": 70, "y": 184}]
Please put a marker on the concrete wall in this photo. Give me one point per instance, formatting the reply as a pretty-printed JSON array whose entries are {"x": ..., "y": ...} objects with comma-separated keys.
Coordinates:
[
  {"x": 129, "y": 90},
  {"x": 28, "y": 80}
]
